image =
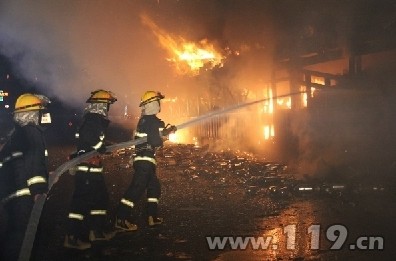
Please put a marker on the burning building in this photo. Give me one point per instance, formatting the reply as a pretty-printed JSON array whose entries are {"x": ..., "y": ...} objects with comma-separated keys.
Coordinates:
[
  {"x": 322, "y": 71},
  {"x": 303, "y": 87},
  {"x": 205, "y": 56}
]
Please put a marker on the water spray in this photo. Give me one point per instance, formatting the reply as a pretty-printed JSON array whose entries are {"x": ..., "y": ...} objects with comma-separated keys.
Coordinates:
[
  {"x": 127, "y": 144},
  {"x": 30, "y": 233}
]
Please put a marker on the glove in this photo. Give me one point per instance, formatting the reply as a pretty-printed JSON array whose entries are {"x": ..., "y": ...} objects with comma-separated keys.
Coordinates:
[
  {"x": 72, "y": 156},
  {"x": 75, "y": 154},
  {"x": 168, "y": 130}
]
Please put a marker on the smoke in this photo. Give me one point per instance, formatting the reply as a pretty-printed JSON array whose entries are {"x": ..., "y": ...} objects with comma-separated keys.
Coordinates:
[
  {"x": 348, "y": 132},
  {"x": 69, "y": 48},
  {"x": 66, "y": 49}
]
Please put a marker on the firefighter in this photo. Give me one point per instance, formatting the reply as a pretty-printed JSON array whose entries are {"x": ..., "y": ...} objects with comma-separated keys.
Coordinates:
[
  {"x": 88, "y": 211},
  {"x": 144, "y": 164},
  {"x": 23, "y": 170}
]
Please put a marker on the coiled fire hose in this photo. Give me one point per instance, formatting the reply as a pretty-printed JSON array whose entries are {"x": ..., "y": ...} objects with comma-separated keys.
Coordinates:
[{"x": 35, "y": 215}]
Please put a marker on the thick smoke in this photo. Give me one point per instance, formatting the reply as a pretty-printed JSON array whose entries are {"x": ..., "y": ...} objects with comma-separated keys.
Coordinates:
[{"x": 69, "y": 48}]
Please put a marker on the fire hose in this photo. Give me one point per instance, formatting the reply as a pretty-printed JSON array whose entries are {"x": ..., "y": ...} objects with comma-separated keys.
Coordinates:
[{"x": 35, "y": 215}]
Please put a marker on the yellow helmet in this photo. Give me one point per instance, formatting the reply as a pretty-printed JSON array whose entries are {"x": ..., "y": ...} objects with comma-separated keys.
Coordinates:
[
  {"x": 150, "y": 96},
  {"x": 31, "y": 102},
  {"x": 102, "y": 96}
]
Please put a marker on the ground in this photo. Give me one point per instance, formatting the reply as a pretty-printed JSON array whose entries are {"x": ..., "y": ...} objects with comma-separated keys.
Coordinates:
[{"x": 226, "y": 194}]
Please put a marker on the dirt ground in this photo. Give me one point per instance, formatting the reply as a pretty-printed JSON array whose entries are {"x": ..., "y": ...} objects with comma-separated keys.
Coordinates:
[{"x": 225, "y": 194}]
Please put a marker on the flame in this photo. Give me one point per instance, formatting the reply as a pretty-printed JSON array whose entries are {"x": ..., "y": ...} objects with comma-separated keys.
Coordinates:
[
  {"x": 271, "y": 103},
  {"x": 269, "y": 131},
  {"x": 173, "y": 137},
  {"x": 304, "y": 98},
  {"x": 313, "y": 89},
  {"x": 188, "y": 57},
  {"x": 284, "y": 103},
  {"x": 180, "y": 137},
  {"x": 318, "y": 80}
]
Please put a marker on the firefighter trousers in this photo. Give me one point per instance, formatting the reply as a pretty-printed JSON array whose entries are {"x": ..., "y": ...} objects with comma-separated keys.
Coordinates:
[
  {"x": 144, "y": 179},
  {"x": 18, "y": 212},
  {"x": 88, "y": 209}
]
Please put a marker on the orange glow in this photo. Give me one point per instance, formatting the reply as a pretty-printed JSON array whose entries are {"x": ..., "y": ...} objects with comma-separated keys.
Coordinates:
[
  {"x": 180, "y": 137},
  {"x": 313, "y": 89},
  {"x": 269, "y": 103},
  {"x": 173, "y": 137},
  {"x": 269, "y": 131},
  {"x": 304, "y": 99},
  {"x": 304, "y": 96},
  {"x": 284, "y": 103},
  {"x": 267, "y": 114},
  {"x": 188, "y": 57},
  {"x": 318, "y": 80},
  {"x": 300, "y": 239}
]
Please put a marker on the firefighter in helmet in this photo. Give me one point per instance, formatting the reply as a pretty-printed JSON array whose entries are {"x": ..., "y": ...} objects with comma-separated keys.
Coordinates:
[
  {"x": 144, "y": 164},
  {"x": 23, "y": 169},
  {"x": 89, "y": 201}
]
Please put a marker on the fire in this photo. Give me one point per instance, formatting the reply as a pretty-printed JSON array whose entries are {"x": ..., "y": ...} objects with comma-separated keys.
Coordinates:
[
  {"x": 267, "y": 114},
  {"x": 196, "y": 56},
  {"x": 173, "y": 137},
  {"x": 180, "y": 136},
  {"x": 269, "y": 104},
  {"x": 188, "y": 57},
  {"x": 269, "y": 131},
  {"x": 284, "y": 103}
]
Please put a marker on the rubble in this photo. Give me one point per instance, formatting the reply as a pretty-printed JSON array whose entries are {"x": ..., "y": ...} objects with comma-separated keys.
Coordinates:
[
  {"x": 254, "y": 176},
  {"x": 203, "y": 193}
]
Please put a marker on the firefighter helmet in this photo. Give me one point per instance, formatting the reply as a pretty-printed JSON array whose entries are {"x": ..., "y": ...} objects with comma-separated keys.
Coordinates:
[
  {"x": 102, "y": 96},
  {"x": 31, "y": 102},
  {"x": 150, "y": 96}
]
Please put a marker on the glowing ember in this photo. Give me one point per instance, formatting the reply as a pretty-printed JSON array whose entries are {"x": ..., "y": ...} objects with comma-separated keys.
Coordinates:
[{"x": 188, "y": 57}]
